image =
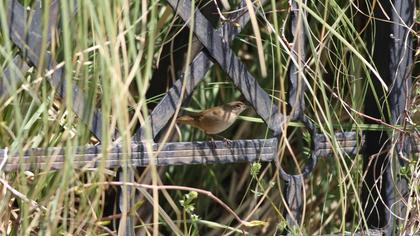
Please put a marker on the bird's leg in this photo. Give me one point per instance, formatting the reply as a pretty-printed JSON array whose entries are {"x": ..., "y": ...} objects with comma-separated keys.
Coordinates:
[
  {"x": 225, "y": 140},
  {"x": 213, "y": 144},
  {"x": 228, "y": 142}
]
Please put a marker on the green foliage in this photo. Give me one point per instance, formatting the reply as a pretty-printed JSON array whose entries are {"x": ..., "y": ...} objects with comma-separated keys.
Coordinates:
[{"x": 188, "y": 205}]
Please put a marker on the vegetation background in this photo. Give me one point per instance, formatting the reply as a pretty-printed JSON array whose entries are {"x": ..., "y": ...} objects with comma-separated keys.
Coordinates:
[{"x": 113, "y": 48}]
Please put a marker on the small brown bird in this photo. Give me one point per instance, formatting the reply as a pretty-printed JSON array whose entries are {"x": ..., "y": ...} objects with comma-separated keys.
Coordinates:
[{"x": 216, "y": 119}]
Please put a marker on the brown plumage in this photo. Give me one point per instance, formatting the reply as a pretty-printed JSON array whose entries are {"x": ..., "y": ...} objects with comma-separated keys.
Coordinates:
[{"x": 216, "y": 119}]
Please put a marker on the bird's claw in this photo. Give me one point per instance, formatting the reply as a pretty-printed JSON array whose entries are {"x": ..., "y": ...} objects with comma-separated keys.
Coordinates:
[
  {"x": 212, "y": 144},
  {"x": 228, "y": 142}
]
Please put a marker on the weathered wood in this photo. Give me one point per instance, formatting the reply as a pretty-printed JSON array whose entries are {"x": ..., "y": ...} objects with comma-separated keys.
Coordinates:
[
  {"x": 181, "y": 153},
  {"x": 400, "y": 68},
  {"x": 28, "y": 37},
  {"x": 294, "y": 199},
  {"x": 178, "y": 153},
  {"x": 371, "y": 232},
  {"x": 384, "y": 193},
  {"x": 221, "y": 52},
  {"x": 13, "y": 74},
  {"x": 298, "y": 52},
  {"x": 349, "y": 142}
]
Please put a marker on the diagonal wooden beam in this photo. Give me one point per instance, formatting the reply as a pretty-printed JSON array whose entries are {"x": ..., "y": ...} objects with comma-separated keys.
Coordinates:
[
  {"x": 296, "y": 81},
  {"x": 12, "y": 75},
  {"x": 29, "y": 39}
]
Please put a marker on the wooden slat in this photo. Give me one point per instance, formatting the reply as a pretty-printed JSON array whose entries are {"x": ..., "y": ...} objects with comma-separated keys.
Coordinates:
[
  {"x": 296, "y": 90},
  {"x": 14, "y": 71},
  {"x": 349, "y": 143},
  {"x": 413, "y": 143},
  {"x": 28, "y": 37},
  {"x": 352, "y": 143},
  {"x": 181, "y": 153},
  {"x": 175, "y": 153},
  {"x": 371, "y": 232}
]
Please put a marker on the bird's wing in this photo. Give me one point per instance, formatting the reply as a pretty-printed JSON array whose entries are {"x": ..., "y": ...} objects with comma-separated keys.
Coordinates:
[
  {"x": 190, "y": 118},
  {"x": 214, "y": 112},
  {"x": 184, "y": 119}
]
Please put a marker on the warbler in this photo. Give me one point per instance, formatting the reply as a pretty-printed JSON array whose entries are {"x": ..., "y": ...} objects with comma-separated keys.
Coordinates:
[{"x": 216, "y": 119}]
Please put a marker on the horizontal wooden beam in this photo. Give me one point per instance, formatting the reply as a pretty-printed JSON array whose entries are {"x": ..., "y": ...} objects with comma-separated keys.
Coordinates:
[
  {"x": 349, "y": 143},
  {"x": 179, "y": 153}
]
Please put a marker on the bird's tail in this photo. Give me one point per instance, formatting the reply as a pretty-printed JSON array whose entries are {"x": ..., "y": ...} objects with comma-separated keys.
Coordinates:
[{"x": 189, "y": 120}]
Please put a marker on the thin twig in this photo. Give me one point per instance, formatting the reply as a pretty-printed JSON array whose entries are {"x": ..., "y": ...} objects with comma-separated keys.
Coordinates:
[
  {"x": 176, "y": 187},
  {"x": 21, "y": 195}
]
